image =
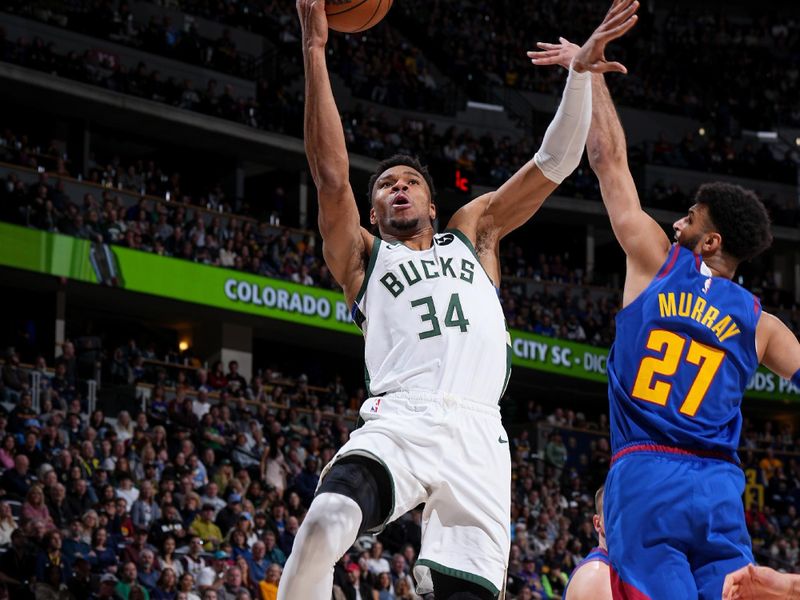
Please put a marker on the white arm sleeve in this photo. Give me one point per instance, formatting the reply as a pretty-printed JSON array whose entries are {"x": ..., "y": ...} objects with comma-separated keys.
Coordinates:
[{"x": 565, "y": 138}]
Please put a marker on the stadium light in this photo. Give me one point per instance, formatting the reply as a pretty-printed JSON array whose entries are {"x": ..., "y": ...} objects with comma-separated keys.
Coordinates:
[{"x": 183, "y": 345}]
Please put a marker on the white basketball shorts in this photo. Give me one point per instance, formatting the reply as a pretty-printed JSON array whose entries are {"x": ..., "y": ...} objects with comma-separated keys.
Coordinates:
[{"x": 453, "y": 455}]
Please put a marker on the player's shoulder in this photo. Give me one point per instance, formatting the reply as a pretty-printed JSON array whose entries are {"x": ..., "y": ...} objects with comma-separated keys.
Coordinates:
[{"x": 591, "y": 580}]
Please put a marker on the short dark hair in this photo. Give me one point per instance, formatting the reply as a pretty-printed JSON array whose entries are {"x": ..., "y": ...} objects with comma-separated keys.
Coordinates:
[
  {"x": 739, "y": 217},
  {"x": 397, "y": 160}
]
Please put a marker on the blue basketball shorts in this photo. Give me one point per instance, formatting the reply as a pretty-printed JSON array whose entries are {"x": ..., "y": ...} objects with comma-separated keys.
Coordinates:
[{"x": 674, "y": 524}]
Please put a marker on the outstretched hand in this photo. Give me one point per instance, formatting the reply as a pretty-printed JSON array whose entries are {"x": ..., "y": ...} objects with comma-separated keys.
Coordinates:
[
  {"x": 313, "y": 22},
  {"x": 621, "y": 17},
  {"x": 757, "y": 583},
  {"x": 555, "y": 54}
]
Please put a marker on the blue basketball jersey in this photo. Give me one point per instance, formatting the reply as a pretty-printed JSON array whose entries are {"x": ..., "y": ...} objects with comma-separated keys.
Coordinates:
[{"x": 683, "y": 354}]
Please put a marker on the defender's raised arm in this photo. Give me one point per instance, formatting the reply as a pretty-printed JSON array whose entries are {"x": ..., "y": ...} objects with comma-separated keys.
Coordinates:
[{"x": 492, "y": 216}]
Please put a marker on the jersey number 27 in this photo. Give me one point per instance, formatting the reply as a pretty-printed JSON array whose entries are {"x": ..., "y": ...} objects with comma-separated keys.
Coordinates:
[{"x": 671, "y": 345}]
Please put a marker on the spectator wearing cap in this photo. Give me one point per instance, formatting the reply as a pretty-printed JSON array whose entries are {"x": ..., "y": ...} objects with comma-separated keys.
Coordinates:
[
  {"x": 204, "y": 527},
  {"x": 355, "y": 586},
  {"x": 108, "y": 588},
  {"x": 213, "y": 575},
  {"x": 17, "y": 481},
  {"x": 145, "y": 510},
  {"x": 128, "y": 580},
  {"x": 227, "y": 517},
  {"x": 529, "y": 575}
]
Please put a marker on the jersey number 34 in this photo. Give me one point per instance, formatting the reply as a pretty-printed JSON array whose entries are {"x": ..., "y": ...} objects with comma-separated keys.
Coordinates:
[{"x": 671, "y": 345}]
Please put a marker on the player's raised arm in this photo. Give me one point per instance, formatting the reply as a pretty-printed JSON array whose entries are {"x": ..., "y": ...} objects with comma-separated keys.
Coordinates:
[
  {"x": 643, "y": 240},
  {"x": 493, "y": 215},
  {"x": 344, "y": 241}
]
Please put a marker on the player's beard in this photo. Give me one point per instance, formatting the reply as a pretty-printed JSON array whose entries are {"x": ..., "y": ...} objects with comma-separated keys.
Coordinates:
[
  {"x": 690, "y": 243},
  {"x": 404, "y": 224}
]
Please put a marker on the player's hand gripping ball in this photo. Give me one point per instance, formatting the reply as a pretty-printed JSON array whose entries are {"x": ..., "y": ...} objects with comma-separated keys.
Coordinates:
[{"x": 352, "y": 16}]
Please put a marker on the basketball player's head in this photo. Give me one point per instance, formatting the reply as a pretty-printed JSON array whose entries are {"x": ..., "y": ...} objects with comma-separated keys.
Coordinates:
[
  {"x": 726, "y": 219},
  {"x": 597, "y": 520},
  {"x": 401, "y": 196}
]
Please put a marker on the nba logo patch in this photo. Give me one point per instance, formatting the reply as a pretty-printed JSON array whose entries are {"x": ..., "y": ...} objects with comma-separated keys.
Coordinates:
[
  {"x": 376, "y": 406},
  {"x": 707, "y": 285}
]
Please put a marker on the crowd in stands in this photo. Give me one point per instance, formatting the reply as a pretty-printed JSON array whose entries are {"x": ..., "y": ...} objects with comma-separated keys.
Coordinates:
[
  {"x": 272, "y": 108},
  {"x": 485, "y": 42},
  {"x": 114, "y": 21},
  {"x": 177, "y": 228},
  {"x": 137, "y": 177},
  {"x": 385, "y": 68},
  {"x": 201, "y": 495}
]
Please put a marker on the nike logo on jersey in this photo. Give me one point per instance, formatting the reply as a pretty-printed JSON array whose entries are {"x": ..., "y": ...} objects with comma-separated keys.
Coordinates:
[{"x": 501, "y": 440}]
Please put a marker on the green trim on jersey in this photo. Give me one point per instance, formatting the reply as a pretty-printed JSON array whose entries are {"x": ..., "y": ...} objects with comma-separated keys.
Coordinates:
[
  {"x": 466, "y": 576},
  {"x": 509, "y": 355},
  {"x": 373, "y": 258},
  {"x": 463, "y": 237}
]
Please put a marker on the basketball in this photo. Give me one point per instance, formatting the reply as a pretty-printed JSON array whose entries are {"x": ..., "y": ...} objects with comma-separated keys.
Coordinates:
[{"x": 352, "y": 16}]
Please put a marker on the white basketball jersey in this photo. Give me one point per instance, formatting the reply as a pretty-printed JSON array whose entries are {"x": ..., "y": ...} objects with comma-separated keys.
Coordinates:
[{"x": 432, "y": 321}]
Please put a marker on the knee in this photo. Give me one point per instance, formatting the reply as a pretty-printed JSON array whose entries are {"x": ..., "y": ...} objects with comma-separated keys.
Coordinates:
[{"x": 328, "y": 530}]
